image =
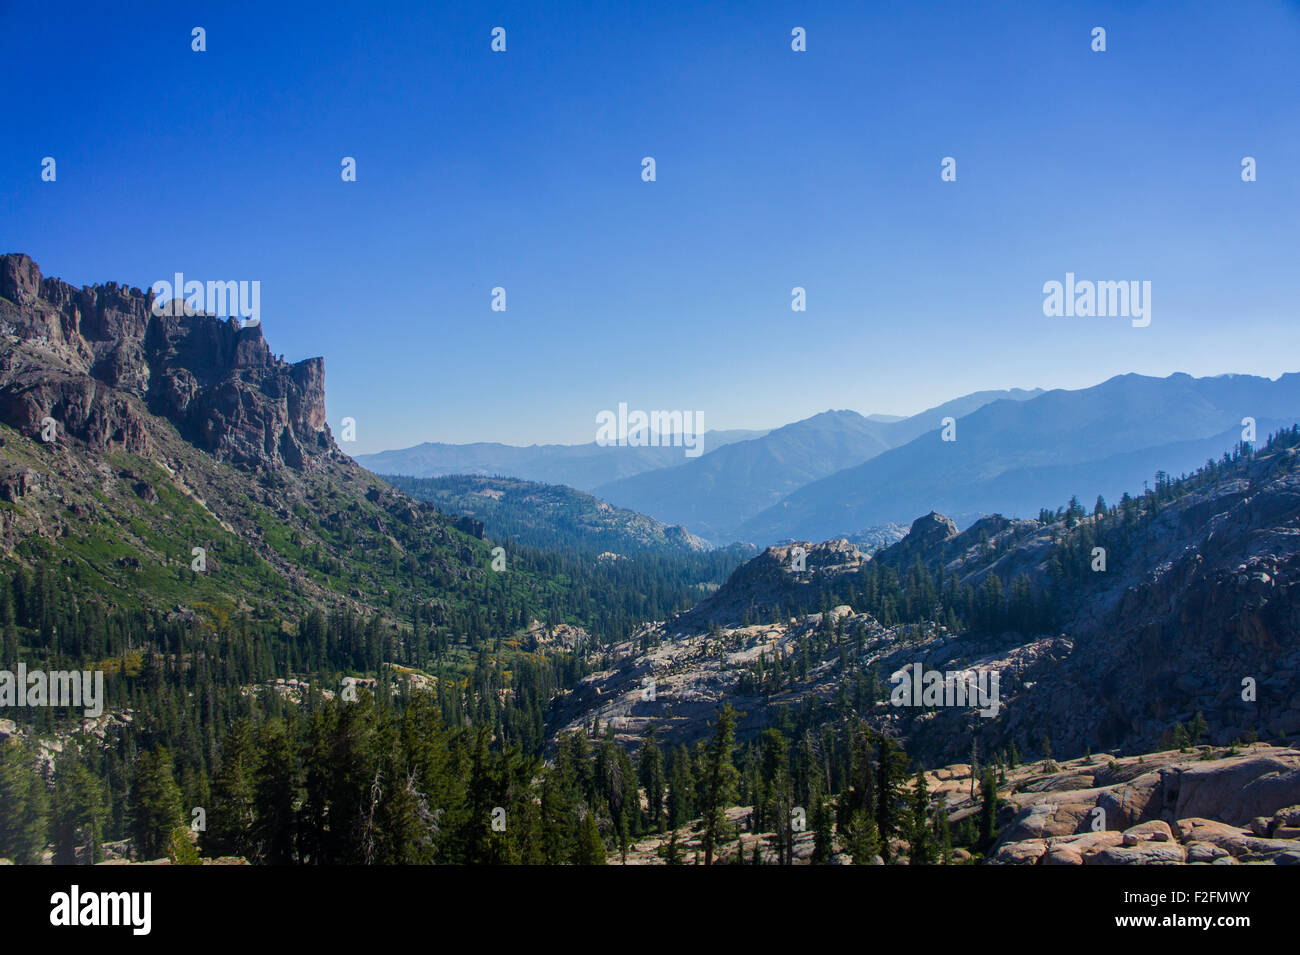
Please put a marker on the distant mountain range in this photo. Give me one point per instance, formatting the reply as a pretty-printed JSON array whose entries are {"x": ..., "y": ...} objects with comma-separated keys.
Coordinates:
[
  {"x": 716, "y": 494},
  {"x": 1015, "y": 457},
  {"x": 740, "y": 474},
  {"x": 842, "y": 474},
  {"x": 581, "y": 466}
]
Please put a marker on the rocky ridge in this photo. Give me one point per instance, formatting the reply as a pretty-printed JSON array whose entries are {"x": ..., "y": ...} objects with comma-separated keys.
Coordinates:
[
  {"x": 177, "y": 431},
  {"x": 95, "y": 359},
  {"x": 1197, "y": 612}
]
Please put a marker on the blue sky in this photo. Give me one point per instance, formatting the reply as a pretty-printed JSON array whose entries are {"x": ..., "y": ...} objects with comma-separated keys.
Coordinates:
[{"x": 775, "y": 169}]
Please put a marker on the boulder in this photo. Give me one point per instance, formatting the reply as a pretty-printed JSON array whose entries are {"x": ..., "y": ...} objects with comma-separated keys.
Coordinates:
[
  {"x": 1028, "y": 852},
  {"x": 1229, "y": 838},
  {"x": 1063, "y": 855},
  {"x": 1148, "y": 853},
  {"x": 1204, "y": 852},
  {"x": 1237, "y": 790},
  {"x": 1157, "y": 830}
]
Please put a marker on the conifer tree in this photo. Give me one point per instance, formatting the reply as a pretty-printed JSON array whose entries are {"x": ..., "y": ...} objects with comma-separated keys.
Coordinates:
[
  {"x": 823, "y": 829},
  {"x": 78, "y": 814},
  {"x": 943, "y": 832},
  {"x": 670, "y": 852},
  {"x": 862, "y": 795},
  {"x": 988, "y": 808},
  {"x": 778, "y": 787},
  {"x": 719, "y": 782},
  {"x": 23, "y": 805},
  {"x": 1198, "y": 729},
  {"x": 590, "y": 850},
  {"x": 155, "y": 807},
  {"x": 681, "y": 790},
  {"x": 920, "y": 839},
  {"x": 891, "y": 768},
  {"x": 861, "y": 840},
  {"x": 650, "y": 767},
  {"x": 181, "y": 849},
  {"x": 276, "y": 794}
]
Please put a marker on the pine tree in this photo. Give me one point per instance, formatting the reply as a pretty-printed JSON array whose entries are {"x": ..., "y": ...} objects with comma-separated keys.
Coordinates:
[
  {"x": 862, "y": 792},
  {"x": 861, "y": 840},
  {"x": 276, "y": 794},
  {"x": 891, "y": 767},
  {"x": 591, "y": 850},
  {"x": 719, "y": 782},
  {"x": 670, "y": 852},
  {"x": 181, "y": 849},
  {"x": 23, "y": 805},
  {"x": 920, "y": 839},
  {"x": 988, "y": 809},
  {"x": 558, "y": 807},
  {"x": 483, "y": 795},
  {"x": 650, "y": 768},
  {"x": 155, "y": 805},
  {"x": 1178, "y": 736},
  {"x": 8, "y": 622},
  {"x": 681, "y": 790},
  {"x": 779, "y": 789},
  {"x": 943, "y": 832},
  {"x": 79, "y": 813},
  {"x": 429, "y": 759},
  {"x": 231, "y": 815},
  {"x": 823, "y": 830}
]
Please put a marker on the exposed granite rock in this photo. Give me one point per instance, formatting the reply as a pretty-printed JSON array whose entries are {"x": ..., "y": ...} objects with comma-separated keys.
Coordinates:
[
  {"x": 96, "y": 359},
  {"x": 1035, "y": 828},
  {"x": 772, "y": 581},
  {"x": 927, "y": 540}
]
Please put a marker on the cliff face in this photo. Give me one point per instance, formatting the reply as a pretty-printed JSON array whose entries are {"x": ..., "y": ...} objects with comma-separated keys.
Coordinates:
[
  {"x": 94, "y": 359},
  {"x": 182, "y": 432}
]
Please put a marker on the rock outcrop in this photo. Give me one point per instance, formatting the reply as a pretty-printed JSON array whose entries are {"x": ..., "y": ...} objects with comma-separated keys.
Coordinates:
[
  {"x": 1207, "y": 807},
  {"x": 94, "y": 360},
  {"x": 781, "y": 578}
]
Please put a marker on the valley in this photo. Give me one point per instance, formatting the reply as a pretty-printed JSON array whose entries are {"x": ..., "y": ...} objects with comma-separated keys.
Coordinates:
[{"x": 363, "y": 670}]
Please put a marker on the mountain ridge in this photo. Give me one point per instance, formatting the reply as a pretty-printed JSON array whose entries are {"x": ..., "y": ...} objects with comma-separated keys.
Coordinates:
[
  {"x": 583, "y": 467},
  {"x": 718, "y": 494},
  {"x": 1051, "y": 440}
]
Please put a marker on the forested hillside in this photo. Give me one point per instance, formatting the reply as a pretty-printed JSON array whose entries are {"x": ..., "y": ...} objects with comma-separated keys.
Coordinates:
[{"x": 549, "y": 516}]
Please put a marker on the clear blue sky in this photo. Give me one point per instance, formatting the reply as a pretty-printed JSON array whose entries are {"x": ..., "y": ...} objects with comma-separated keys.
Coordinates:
[{"x": 775, "y": 169}]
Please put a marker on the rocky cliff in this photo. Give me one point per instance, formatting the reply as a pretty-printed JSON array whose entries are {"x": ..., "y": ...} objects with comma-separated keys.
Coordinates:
[
  {"x": 94, "y": 359},
  {"x": 177, "y": 432}
]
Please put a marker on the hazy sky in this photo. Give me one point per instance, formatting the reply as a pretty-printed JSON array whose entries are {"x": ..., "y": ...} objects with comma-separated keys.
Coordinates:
[{"x": 775, "y": 169}]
